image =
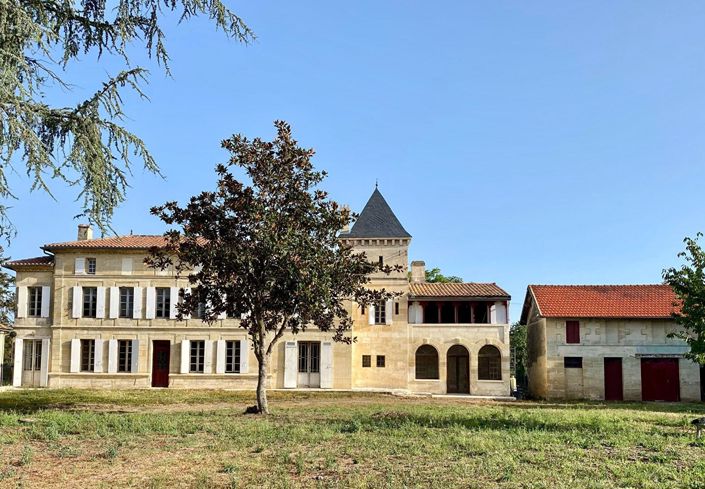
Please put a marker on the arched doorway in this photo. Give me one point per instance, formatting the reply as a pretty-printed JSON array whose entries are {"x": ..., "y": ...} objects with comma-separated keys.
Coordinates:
[{"x": 458, "y": 378}]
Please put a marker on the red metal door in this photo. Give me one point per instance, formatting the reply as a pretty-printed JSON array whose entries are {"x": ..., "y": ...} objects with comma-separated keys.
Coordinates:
[
  {"x": 160, "y": 363},
  {"x": 613, "y": 379},
  {"x": 660, "y": 380}
]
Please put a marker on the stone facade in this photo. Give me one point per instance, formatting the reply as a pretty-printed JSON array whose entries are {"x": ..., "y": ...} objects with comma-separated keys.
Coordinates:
[
  {"x": 628, "y": 339},
  {"x": 104, "y": 362}
]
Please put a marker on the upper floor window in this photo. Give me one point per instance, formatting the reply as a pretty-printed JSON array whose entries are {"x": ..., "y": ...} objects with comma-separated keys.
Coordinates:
[
  {"x": 124, "y": 355},
  {"x": 90, "y": 266},
  {"x": 127, "y": 302},
  {"x": 198, "y": 356},
  {"x": 381, "y": 261},
  {"x": 163, "y": 302},
  {"x": 380, "y": 361},
  {"x": 366, "y": 360},
  {"x": 232, "y": 357},
  {"x": 90, "y": 301},
  {"x": 572, "y": 331},
  {"x": 34, "y": 308},
  {"x": 87, "y": 355},
  {"x": 381, "y": 313}
]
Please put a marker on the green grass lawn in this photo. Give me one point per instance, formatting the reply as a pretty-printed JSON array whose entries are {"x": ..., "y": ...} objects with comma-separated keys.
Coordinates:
[{"x": 166, "y": 438}]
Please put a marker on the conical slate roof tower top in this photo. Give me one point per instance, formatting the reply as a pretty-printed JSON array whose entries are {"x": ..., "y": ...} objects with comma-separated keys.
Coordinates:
[{"x": 377, "y": 220}]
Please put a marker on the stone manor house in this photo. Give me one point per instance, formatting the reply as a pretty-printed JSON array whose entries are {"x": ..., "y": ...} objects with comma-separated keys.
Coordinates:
[{"x": 91, "y": 314}]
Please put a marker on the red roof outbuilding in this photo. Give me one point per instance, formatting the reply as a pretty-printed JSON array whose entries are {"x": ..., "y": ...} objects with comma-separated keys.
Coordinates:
[{"x": 602, "y": 301}]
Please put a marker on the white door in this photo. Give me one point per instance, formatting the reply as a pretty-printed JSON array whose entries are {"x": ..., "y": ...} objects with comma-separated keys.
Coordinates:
[
  {"x": 309, "y": 364},
  {"x": 32, "y": 363}
]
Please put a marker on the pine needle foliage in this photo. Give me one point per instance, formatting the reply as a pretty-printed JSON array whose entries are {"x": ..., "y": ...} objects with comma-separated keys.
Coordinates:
[{"x": 85, "y": 145}]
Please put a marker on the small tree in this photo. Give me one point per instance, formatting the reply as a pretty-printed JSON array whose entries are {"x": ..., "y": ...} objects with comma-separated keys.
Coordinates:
[
  {"x": 268, "y": 252},
  {"x": 517, "y": 340},
  {"x": 435, "y": 276},
  {"x": 688, "y": 283}
]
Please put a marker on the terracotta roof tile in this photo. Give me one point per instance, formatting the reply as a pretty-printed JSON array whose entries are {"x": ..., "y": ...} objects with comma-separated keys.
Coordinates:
[
  {"x": 136, "y": 241},
  {"x": 37, "y": 260},
  {"x": 604, "y": 301},
  {"x": 426, "y": 289}
]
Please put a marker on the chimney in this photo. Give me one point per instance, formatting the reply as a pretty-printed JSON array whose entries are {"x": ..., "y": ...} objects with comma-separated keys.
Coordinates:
[
  {"x": 346, "y": 228},
  {"x": 418, "y": 272},
  {"x": 85, "y": 232}
]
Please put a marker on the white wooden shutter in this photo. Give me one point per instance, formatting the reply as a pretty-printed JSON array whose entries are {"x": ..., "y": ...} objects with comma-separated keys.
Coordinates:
[
  {"x": 326, "y": 365},
  {"x": 173, "y": 302},
  {"x": 46, "y": 301},
  {"x": 17, "y": 370},
  {"x": 135, "y": 360},
  {"x": 185, "y": 356},
  {"x": 22, "y": 302},
  {"x": 290, "y": 364},
  {"x": 244, "y": 356},
  {"x": 77, "y": 301},
  {"x": 100, "y": 303},
  {"x": 114, "y": 302},
  {"x": 137, "y": 304},
  {"x": 44, "y": 367},
  {"x": 220, "y": 356},
  {"x": 371, "y": 314},
  {"x": 419, "y": 313},
  {"x": 112, "y": 356},
  {"x": 98, "y": 356},
  {"x": 500, "y": 313},
  {"x": 75, "y": 356},
  {"x": 208, "y": 357},
  {"x": 151, "y": 303},
  {"x": 126, "y": 266},
  {"x": 389, "y": 311},
  {"x": 80, "y": 265}
]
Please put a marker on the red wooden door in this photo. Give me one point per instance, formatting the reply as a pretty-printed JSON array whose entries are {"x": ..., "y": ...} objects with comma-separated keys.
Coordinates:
[
  {"x": 613, "y": 379},
  {"x": 660, "y": 380},
  {"x": 160, "y": 363}
]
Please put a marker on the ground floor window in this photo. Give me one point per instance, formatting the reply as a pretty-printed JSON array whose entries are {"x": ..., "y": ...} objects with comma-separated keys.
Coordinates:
[
  {"x": 426, "y": 362},
  {"x": 87, "y": 355},
  {"x": 32, "y": 356},
  {"x": 573, "y": 362},
  {"x": 198, "y": 356},
  {"x": 366, "y": 360},
  {"x": 124, "y": 355},
  {"x": 380, "y": 361},
  {"x": 232, "y": 357},
  {"x": 489, "y": 363}
]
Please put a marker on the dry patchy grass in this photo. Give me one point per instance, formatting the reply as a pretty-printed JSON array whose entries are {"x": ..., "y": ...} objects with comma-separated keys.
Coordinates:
[{"x": 201, "y": 439}]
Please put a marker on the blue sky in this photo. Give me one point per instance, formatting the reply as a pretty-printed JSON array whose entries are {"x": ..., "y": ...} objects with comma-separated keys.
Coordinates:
[{"x": 518, "y": 142}]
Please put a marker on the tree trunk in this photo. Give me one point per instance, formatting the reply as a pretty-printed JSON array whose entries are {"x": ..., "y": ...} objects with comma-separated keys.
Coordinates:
[{"x": 262, "y": 405}]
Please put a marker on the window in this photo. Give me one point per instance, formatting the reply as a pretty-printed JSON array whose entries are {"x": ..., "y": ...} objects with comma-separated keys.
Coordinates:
[
  {"x": 198, "y": 356},
  {"x": 127, "y": 302},
  {"x": 381, "y": 261},
  {"x": 380, "y": 361},
  {"x": 366, "y": 360},
  {"x": 481, "y": 316},
  {"x": 572, "y": 331},
  {"x": 380, "y": 313},
  {"x": 90, "y": 266},
  {"x": 396, "y": 308},
  {"x": 124, "y": 355},
  {"x": 232, "y": 357},
  {"x": 573, "y": 362},
  {"x": 426, "y": 362},
  {"x": 489, "y": 363},
  {"x": 90, "y": 301},
  {"x": 87, "y": 355},
  {"x": 34, "y": 308},
  {"x": 163, "y": 302}
]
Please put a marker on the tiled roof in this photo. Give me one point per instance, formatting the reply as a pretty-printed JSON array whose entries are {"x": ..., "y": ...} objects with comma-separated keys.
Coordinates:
[
  {"x": 604, "y": 301},
  {"x": 426, "y": 289},
  {"x": 377, "y": 220},
  {"x": 137, "y": 242},
  {"x": 37, "y": 260}
]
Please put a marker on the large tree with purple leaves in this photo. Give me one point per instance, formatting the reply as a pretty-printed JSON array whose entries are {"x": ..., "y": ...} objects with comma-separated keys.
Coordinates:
[{"x": 265, "y": 249}]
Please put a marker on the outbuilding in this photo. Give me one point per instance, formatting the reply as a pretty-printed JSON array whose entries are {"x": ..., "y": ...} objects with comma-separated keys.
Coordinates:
[{"x": 606, "y": 342}]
